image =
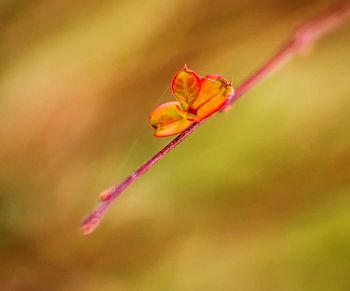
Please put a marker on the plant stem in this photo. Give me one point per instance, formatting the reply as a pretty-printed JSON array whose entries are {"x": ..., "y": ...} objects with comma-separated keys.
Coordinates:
[{"x": 302, "y": 40}]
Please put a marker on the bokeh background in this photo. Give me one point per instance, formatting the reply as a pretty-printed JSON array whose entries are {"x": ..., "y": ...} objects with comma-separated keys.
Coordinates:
[{"x": 256, "y": 199}]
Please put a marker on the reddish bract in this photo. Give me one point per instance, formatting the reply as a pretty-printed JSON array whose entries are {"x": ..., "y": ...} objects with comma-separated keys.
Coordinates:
[{"x": 197, "y": 98}]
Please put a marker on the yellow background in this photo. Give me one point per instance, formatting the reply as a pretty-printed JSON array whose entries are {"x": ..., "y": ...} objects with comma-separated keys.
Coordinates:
[{"x": 256, "y": 199}]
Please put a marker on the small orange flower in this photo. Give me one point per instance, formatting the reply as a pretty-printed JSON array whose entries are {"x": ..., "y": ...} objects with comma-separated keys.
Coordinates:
[{"x": 197, "y": 98}]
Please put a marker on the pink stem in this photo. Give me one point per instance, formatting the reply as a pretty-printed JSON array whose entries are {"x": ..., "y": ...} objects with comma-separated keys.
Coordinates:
[
  {"x": 93, "y": 220},
  {"x": 302, "y": 39}
]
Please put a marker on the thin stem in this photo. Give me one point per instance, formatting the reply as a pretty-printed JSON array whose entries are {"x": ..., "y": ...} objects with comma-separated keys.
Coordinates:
[
  {"x": 93, "y": 220},
  {"x": 303, "y": 38}
]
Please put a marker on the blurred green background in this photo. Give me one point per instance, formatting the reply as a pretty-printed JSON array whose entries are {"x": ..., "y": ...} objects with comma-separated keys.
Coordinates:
[{"x": 256, "y": 199}]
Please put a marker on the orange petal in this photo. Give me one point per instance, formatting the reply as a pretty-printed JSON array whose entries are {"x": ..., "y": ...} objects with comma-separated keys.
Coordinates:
[
  {"x": 186, "y": 86},
  {"x": 215, "y": 91},
  {"x": 167, "y": 120}
]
